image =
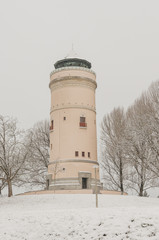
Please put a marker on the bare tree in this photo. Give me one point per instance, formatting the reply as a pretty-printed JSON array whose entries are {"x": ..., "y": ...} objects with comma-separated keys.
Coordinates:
[
  {"x": 112, "y": 144},
  {"x": 138, "y": 148},
  {"x": 12, "y": 152},
  {"x": 130, "y": 145},
  {"x": 38, "y": 143},
  {"x": 153, "y": 96}
]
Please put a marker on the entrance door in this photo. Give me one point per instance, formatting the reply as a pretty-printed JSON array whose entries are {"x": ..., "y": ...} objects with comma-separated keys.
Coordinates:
[
  {"x": 84, "y": 183},
  {"x": 47, "y": 184}
]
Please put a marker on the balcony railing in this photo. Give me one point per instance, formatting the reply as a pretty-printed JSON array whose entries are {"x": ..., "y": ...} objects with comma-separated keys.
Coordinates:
[{"x": 83, "y": 124}]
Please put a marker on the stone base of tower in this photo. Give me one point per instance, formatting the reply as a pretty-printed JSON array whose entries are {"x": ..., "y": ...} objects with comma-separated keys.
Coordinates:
[
  {"x": 73, "y": 174},
  {"x": 83, "y": 182}
]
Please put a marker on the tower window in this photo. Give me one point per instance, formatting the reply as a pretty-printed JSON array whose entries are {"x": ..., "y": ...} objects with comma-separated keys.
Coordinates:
[
  {"x": 82, "y": 119},
  {"x": 83, "y": 122},
  {"x": 76, "y": 153},
  {"x": 89, "y": 155},
  {"x": 83, "y": 154},
  {"x": 64, "y": 118},
  {"x": 52, "y": 125}
]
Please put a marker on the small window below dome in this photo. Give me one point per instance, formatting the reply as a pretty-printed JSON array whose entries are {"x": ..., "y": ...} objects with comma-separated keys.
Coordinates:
[
  {"x": 64, "y": 118},
  {"x": 83, "y": 154}
]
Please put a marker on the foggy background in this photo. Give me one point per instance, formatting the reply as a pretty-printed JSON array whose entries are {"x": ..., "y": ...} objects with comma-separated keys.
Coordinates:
[{"x": 119, "y": 38}]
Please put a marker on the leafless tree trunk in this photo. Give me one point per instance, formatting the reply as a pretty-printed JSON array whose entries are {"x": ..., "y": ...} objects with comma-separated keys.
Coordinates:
[
  {"x": 10, "y": 191},
  {"x": 2, "y": 180}
]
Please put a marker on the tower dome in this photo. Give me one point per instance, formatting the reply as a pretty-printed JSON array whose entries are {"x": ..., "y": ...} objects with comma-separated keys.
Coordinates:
[{"x": 72, "y": 59}]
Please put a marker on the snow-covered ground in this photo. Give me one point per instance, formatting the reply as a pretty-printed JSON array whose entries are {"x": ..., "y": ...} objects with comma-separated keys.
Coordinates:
[{"x": 59, "y": 217}]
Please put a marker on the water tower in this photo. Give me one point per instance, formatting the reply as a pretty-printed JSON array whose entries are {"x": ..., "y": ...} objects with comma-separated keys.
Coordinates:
[{"x": 73, "y": 139}]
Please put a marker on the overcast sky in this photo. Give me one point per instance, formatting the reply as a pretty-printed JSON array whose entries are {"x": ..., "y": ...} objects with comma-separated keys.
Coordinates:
[{"x": 119, "y": 37}]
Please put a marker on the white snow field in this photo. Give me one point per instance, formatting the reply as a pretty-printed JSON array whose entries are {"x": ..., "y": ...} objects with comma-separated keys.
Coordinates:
[{"x": 51, "y": 217}]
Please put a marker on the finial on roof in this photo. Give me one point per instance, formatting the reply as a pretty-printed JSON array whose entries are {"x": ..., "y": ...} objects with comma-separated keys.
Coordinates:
[{"x": 72, "y": 53}]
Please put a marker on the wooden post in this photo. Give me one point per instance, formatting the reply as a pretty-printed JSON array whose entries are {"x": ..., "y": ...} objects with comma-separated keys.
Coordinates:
[{"x": 96, "y": 187}]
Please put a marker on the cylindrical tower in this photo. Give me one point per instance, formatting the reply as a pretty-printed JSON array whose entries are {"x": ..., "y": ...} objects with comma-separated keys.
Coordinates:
[{"x": 73, "y": 141}]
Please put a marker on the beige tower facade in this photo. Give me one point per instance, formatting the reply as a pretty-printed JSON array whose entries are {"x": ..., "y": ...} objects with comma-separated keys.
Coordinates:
[{"x": 73, "y": 140}]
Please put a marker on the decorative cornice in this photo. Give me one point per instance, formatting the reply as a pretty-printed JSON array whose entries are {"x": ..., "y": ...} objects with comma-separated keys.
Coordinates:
[
  {"x": 72, "y": 106},
  {"x": 67, "y": 81},
  {"x": 72, "y": 68},
  {"x": 73, "y": 160}
]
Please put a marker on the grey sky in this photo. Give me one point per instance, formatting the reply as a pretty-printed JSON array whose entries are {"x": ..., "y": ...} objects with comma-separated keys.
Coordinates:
[{"x": 120, "y": 39}]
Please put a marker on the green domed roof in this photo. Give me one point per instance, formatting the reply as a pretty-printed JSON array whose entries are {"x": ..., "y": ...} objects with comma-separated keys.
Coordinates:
[
  {"x": 72, "y": 59},
  {"x": 69, "y": 62}
]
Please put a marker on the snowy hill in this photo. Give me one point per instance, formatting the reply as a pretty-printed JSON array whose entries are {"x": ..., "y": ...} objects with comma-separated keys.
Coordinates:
[{"x": 59, "y": 217}]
